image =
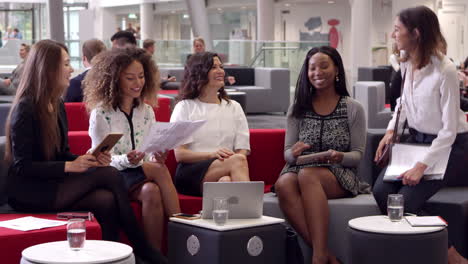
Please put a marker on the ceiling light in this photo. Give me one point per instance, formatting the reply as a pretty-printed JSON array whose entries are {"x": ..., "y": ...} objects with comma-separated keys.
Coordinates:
[
  {"x": 331, "y": 2},
  {"x": 287, "y": 5}
]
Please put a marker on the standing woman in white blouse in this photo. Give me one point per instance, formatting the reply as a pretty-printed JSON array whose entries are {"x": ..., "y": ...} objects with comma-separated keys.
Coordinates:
[
  {"x": 431, "y": 106},
  {"x": 218, "y": 150},
  {"x": 116, "y": 89}
]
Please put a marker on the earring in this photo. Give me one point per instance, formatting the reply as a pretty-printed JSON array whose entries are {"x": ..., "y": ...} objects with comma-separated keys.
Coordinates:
[{"x": 337, "y": 79}]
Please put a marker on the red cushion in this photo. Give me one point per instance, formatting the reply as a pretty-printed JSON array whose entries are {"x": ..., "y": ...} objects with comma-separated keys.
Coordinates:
[
  {"x": 190, "y": 204},
  {"x": 168, "y": 92},
  {"x": 78, "y": 118},
  {"x": 13, "y": 242},
  {"x": 266, "y": 159},
  {"x": 79, "y": 142},
  {"x": 163, "y": 110}
]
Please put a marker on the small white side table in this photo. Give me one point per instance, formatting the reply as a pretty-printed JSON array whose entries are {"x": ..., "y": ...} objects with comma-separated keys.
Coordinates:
[
  {"x": 376, "y": 239},
  {"x": 93, "y": 252}
]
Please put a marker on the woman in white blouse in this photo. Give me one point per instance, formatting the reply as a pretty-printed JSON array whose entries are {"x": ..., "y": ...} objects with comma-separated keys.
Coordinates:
[
  {"x": 115, "y": 91},
  {"x": 431, "y": 106},
  {"x": 218, "y": 150}
]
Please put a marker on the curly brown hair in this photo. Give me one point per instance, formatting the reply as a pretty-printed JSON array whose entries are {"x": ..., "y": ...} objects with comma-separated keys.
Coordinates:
[
  {"x": 101, "y": 84},
  {"x": 196, "y": 76}
]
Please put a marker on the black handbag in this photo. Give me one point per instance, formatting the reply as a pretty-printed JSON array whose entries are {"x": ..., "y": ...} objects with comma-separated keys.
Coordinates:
[{"x": 384, "y": 159}]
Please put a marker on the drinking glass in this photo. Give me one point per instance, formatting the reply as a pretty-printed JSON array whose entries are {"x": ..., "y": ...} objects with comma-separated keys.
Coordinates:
[
  {"x": 395, "y": 207},
  {"x": 76, "y": 233},
  {"x": 220, "y": 210}
]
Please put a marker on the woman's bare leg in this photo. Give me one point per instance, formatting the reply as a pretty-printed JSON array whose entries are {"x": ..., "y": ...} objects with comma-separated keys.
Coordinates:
[
  {"x": 317, "y": 186},
  {"x": 159, "y": 174},
  {"x": 235, "y": 166},
  {"x": 152, "y": 212},
  {"x": 290, "y": 201}
]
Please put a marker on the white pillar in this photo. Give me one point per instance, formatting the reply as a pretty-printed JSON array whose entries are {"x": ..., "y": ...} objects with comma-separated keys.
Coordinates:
[
  {"x": 199, "y": 20},
  {"x": 56, "y": 28},
  {"x": 361, "y": 21},
  {"x": 146, "y": 21},
  {"x": 265, "y": 20}
]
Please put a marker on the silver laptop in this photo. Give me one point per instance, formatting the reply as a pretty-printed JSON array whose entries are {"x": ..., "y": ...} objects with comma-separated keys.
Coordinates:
[{"x": 245, "y": 199}]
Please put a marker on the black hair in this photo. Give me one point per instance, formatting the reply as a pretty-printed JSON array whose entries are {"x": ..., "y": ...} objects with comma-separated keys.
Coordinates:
[{"x": 305, "y": 91}]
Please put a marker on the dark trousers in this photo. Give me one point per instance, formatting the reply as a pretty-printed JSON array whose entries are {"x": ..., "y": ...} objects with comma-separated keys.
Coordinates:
[{"x": 416, "y": 196}]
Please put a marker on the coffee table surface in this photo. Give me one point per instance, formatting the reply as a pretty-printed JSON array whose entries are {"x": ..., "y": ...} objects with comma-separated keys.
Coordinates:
[
  {"x": 381, "y": 224},
  {"x": 94, "y": 251}
]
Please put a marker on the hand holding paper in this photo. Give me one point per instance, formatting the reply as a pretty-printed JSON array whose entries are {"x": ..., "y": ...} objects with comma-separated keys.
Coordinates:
[{"x": 166, "y": 136}]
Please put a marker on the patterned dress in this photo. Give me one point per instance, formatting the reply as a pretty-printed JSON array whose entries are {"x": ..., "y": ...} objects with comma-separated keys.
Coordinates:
[{"x": 324, "y": 133}]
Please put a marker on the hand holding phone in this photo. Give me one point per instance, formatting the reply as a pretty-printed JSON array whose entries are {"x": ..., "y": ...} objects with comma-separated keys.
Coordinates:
[{"x": 107, "y": 143}]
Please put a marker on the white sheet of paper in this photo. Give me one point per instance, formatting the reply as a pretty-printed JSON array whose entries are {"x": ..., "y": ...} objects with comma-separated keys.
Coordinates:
[
  {"x": 405, "y": 156},
  {"x": 28, "y": 223},
  {"x": 425, "y": 221},
  {"x": 166, "y": 136}
]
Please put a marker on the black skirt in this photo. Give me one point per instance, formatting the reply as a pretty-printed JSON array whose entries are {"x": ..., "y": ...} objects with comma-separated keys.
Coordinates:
[
  {"x": 189, "y": 176},
  {"x": 133, "y": 177}
]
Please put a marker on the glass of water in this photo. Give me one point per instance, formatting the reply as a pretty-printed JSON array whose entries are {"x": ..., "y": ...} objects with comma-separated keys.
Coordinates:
[
  {"x": 395, "y": 207},
  {"x": 220, "y": 210},
  {"x": 76, "y": 233}
]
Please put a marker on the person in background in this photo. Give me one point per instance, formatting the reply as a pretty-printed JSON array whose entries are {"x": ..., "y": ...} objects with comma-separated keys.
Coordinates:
[
  {"x": 123, "y": 39},
  {"x": 431, "y": 107},
  {"x": 9, "y": 86},
  {"x": 218, "y": 150},
  {"x": 116, "y": 90},
  {"x": 17, "y": 34},
  {"x": 198, "y": 46},
  {"x": 323, "y": 117},
  {"x": 90, "y": 49},
  {"x": 149, "y": 46},
  {"x": 43, "y": 175},
  {"x": 130, "y": 29}
]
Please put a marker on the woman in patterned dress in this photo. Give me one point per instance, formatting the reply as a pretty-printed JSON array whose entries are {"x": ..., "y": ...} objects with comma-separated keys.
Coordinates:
[
  {"x": 115, "y": 90},
  {"x": 322, "y": 118}
]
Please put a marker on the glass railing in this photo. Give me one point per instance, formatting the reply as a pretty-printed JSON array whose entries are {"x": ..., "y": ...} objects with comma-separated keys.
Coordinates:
[{"x": 173, "y": 53}]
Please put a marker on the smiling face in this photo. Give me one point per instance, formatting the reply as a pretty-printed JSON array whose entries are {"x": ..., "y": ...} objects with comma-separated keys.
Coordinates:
[
  {"x": 322, "y": 71},
  {"x": 216, "y": 74},
  {"x": 402, "y": 36},
  {"x": 198, "y": 47},
  {"x": 132, "y": 80},
  {"x": 65, "y": 70}
]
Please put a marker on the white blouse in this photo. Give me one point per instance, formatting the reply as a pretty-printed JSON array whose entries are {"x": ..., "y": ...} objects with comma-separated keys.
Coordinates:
[
  {"x": 431, "y": 104},
  {"x": 103, "y": 121},
  {"x": 225, "y": 127}
]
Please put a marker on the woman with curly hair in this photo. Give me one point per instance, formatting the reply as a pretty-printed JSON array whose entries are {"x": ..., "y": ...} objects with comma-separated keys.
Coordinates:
[
  {"x": 218, "y": 150},
  {"x": 44, "y": 175},
  {"x": 115, "y": 91}
]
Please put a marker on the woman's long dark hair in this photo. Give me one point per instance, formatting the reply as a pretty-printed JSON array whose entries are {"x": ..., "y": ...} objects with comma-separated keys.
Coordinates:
[
  {"x": 39, "y": 83},
  {"x": 196, "y": 76},
  {"x": 305, "y": 91},
  {"x": 430, "y": 41}
]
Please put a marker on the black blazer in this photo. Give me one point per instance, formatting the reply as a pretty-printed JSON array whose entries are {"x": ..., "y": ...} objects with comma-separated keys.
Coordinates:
[
  {"x": 33, "y": 180},
  {"x": 74, "y": 91}
]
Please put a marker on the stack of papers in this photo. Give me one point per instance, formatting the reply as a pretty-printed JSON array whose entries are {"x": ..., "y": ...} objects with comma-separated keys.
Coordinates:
[
  {"x": 28, "y": 223},
  {"x": 405, "y": 156},
  {"x": 426, "y": 221},
  {"x": 166, "y": 136}
]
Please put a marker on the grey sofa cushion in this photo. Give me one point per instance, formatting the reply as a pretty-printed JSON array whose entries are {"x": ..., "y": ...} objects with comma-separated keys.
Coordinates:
[{"x": 341, "y": 211}]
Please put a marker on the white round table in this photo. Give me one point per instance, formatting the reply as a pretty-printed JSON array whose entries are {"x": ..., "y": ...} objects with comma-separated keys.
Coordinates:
[
  {"x": 381, "y": 224},
  {"x": 376, "y": 239},
  {"x": 93, "y": 252}
]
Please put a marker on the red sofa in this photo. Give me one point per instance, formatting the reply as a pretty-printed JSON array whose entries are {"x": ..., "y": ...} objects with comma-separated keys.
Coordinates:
[
  {"x": 78, "y": 118},
  {"x": 13, "y": 242},
  {"x": 265, "y": 161}
]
